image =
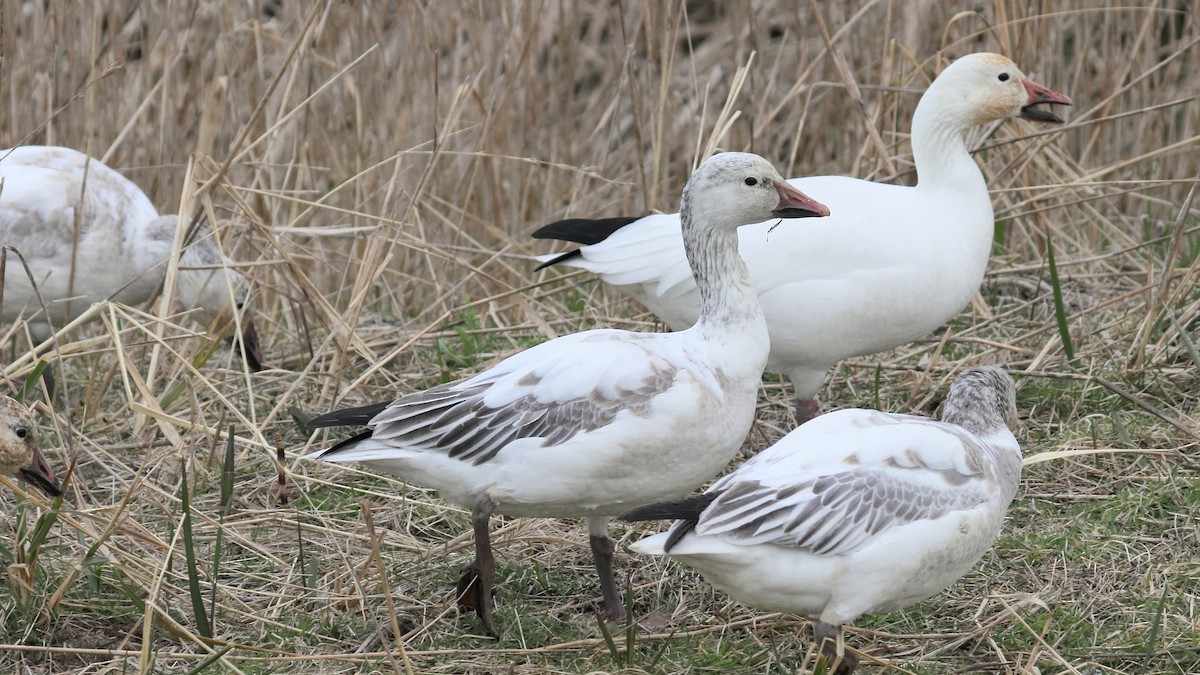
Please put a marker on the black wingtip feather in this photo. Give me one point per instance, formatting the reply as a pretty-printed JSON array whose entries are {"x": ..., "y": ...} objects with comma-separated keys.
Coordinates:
[
  {"x": 557, "y": 259},
  {"x": 347, "y": 443},
  {"x": 679, "y": 531},
  {"x": 682, "y": 509},
  {"x": 583, "y": 230},
  {"x": 685, "y": 512},
  {"x": 347, "y": 417}
]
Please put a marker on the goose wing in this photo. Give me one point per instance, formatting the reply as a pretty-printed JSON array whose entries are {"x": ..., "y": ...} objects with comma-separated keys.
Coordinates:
[
  {"x": 836, "y": 482},
  {"x": 554, "y": 391}
]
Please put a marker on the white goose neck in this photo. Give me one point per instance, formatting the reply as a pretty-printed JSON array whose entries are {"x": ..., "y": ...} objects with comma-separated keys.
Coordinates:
[{"x": 940, "y": 146}]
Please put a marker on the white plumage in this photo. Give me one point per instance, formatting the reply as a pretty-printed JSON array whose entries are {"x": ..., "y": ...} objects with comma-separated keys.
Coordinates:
[
  {"x": 120, "y": 251},
  {"x": 856, "y": 511},
  {"x": 892, "y": 263},
  {"x": 591, "y": 424}
]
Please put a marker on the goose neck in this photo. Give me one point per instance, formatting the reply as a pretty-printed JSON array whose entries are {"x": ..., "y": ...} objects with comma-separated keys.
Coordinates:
[
  {"x": 726, "y": 293},
  {"x": 940, "y": 148}
]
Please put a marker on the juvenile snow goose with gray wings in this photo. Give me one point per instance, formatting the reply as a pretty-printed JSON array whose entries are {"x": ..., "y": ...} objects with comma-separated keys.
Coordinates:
[
  {"x": 892, "y": 264},
  {"x": 856, "y": 511},
  {"x": 120, "y": 251},
  {"x": 592, "y": 424}
]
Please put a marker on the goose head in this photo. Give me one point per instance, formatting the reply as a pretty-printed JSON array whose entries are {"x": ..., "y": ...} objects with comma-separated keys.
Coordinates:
[
  {"x": 732, "y": 189},
  {"x": 19, "y": 453},
  {"x": 982, "y": 400},
  {"x": 981, "y": 88}
]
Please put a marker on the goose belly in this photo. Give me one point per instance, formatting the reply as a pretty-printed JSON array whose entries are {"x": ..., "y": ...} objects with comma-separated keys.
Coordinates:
[
  {"x": 818, "y": 322},
  {"x": 609, "y": 471},
  {"x": 901, "y": 567}
]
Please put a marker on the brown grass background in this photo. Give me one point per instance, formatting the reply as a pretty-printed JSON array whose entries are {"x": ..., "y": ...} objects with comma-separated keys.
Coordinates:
[{"x": 377, "y": 167}]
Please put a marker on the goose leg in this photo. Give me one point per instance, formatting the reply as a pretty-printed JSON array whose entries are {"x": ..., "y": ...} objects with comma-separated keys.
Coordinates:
[
  {"x": 833, "y": 649},
  {"x": 475, "y": 585},
  {"x": 602, "y": 554}
]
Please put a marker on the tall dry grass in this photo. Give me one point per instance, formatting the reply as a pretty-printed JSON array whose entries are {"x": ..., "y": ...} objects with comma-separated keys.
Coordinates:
[{"x": 378, "y": 166}]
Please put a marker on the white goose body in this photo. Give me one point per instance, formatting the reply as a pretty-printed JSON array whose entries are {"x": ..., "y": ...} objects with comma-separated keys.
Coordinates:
[
  {"x": 643, "y": 414},
  {"x": 594, "y": 423},
  {"x": 856, "y": 511},
  {"x": 121, "y": 250},
  {"x": 877, "y": 283},
  {"x": 891, "y": 264}
]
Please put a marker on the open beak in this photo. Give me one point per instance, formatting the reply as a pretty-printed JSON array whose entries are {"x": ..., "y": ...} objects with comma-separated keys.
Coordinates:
[
  {"x": 1039, "y": 94},
  {"x": 795, "y": 204},
  {"x": 39, "y": 474},
  {"x": 249, "y": 339}
]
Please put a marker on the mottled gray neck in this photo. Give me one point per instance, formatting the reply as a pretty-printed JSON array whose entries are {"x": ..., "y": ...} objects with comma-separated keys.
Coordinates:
[
  {"x": 982, "y": 400},
  {"x": 148, "y": 244},
  {"x": 726, "y": 294},
  {"x": 940, "y": 147}
]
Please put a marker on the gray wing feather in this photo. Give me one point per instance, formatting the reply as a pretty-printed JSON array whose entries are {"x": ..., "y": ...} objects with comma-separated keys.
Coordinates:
[
  {"x": 831, "y": 514},
  {"x": 454, "y": 419}
]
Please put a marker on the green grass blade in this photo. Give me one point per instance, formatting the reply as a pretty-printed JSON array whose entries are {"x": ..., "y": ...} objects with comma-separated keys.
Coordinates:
[
  {"x": 189, "y": 552},
  {"x": 1060, "y": 311},
  {"x": 630, "y": 624},
  {"x": 1188, "y": 344},
  {"x": 29, "y": 387},
  {"x": 41, "y": 529},
  {"x": 1156, "y": 625},
  {"x": 608, "y": 641},
  {"x": 198, "y": 362},
  {"x": 212, "y": 658},
  {"x": 226, "y": 508}
]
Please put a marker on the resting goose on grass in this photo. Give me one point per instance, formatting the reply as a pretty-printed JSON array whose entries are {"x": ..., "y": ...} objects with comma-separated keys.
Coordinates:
[
  {"x": 855, "y": 512},
  {"x": 892, "y": 264},
  {"x": 119, "y": 253},
  {"x": 19, "y": 454},
  {"x": 592, "y": 424}
]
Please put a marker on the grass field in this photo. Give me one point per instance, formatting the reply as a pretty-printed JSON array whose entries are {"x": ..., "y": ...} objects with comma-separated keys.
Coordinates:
[{"x": 379, "y": 166}]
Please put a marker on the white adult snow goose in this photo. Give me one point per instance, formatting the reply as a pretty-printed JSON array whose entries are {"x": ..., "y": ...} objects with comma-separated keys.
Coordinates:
[
  {"x": 592, "y": 424},
  {"x": 20, "y": 456},
  {"x": 893, "y": 263},
  {"x": 855, "y": 512},
  {"x": 120, "y": 251}
]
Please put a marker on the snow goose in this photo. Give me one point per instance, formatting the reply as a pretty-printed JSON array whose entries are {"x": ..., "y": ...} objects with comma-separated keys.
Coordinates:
[
  {"x": 592, "y": 424},
  {"x": 891, "y": 265},
  {"x": 855, "y": 512},
  {"x": 120, "y": 251},
  {"x": 19, "y": 453}
]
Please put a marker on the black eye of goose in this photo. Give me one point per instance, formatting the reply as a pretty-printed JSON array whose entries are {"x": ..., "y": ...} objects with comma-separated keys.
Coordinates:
[
  {"x": 1004, "y": 77},
  {"x": 21, "y": 432},
  {"x": 751, "y": 181}
]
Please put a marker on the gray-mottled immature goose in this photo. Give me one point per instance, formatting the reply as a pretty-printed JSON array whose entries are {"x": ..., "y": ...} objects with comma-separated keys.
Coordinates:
[
  {"x": 856, "y": 511},
  {"x": 592, "y": 424}
]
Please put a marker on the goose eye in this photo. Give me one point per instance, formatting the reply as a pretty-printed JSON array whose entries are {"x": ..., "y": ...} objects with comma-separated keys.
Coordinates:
[
  {"x": 21, "y": 432},
  {"x": 752, "y": 181},
  {"x": 1004, "y": 77}
]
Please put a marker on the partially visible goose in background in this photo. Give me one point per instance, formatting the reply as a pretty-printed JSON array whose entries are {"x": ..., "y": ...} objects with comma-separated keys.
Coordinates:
[
  {"x": 120, "y": 252},
  {"x": 592, "y": 424},
  {"x": 855, "y": 512},
  {"x": 20, "y": 456},
  {"x": 892, "y": 264}
]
